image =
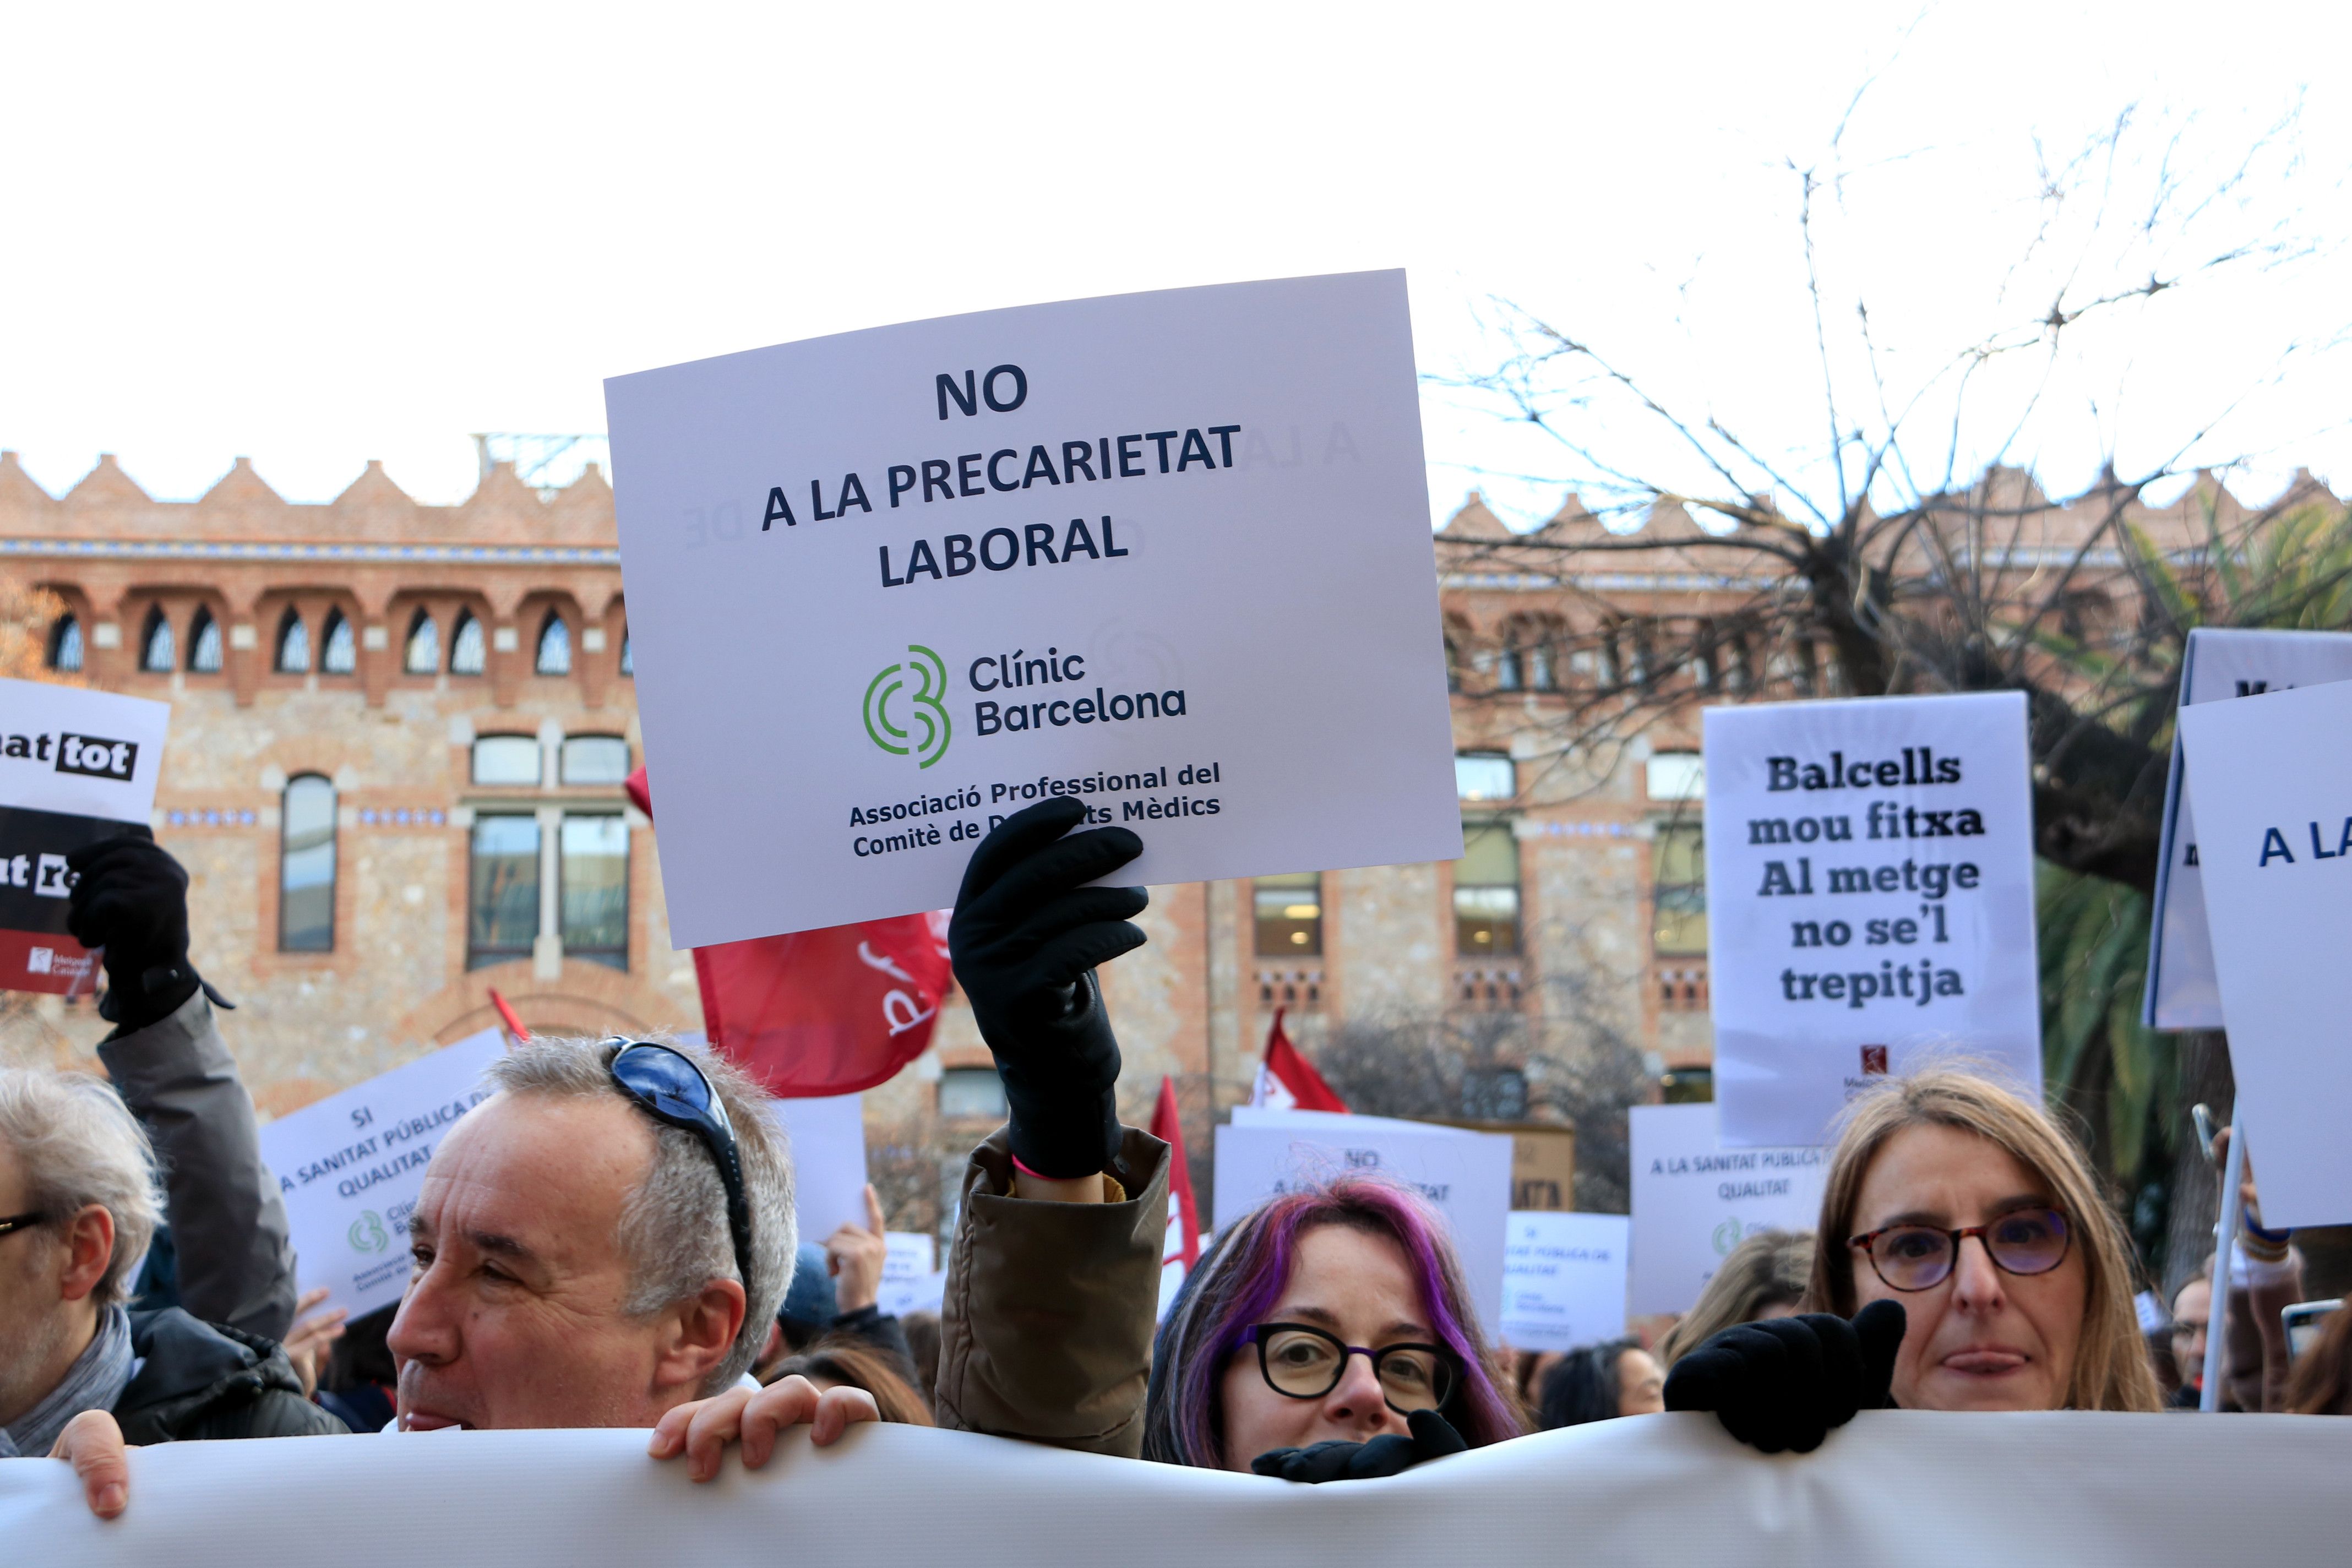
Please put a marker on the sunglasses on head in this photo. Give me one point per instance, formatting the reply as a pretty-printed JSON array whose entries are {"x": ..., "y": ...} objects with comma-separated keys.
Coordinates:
[{"x": 665, "y": 1084}]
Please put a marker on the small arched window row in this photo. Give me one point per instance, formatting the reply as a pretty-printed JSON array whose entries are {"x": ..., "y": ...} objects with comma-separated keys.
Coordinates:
[
  {"x": 65, "y": 652},
  {"x": 421, "y": 653},
  {"x": 554, "y": 655},
  {"x": 338, "y": 652}
]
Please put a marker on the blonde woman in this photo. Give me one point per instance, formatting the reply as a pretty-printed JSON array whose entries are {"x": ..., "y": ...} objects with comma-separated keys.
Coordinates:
[
  {"x": 1963, "y": 1234},
  {"x": 1762, "y": 1277}
]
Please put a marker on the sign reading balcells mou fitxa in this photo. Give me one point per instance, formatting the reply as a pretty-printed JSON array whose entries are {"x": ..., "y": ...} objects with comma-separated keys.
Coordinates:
[
  {"x": 1870, "y": 901},
  {"x": 1167, "y": 554}
]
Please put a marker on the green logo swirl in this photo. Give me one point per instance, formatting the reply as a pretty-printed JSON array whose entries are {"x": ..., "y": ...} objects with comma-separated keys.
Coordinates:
[
  {"x": 923, "y": 679},
  {"x": 367, "y": 1233}
]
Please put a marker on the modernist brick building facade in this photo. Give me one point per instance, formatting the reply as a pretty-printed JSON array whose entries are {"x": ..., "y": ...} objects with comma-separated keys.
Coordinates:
[{"x": 399, "y": 733}]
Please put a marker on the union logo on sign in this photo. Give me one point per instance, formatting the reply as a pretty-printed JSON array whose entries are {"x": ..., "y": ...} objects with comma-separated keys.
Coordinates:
[{"x": 1874, "y": 1060}]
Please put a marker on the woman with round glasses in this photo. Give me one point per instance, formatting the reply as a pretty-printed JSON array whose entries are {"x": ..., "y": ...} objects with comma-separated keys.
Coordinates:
[
  {"x": 1978, "y": 1218},
  {"x": 1328, "y": 1335}
]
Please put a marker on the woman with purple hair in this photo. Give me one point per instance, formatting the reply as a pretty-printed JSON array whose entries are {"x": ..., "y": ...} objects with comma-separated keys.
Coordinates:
[{"x": 1325, "y": 1336}]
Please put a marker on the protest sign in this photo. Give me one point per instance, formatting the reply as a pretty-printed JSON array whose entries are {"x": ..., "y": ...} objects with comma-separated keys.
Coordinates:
[
  {"x": 889, "y": 586},
  {"x": 1465, "y": 1177},
  {"x": 1896, "y": 1489},
  {"x": 350, "y": 1165},
  {"x": 2220, "y": 662},
  {"x": 908, "y": 1273},
  {"x": 828, "y": 1140},
  {"x": 74, "y": 766},
  {"x": 1694, "y": 1199},
  {"x": 2274, "y": 840},
  {"x": 1564, "y": 1279},
  {"x": 1870, "y": 900}
]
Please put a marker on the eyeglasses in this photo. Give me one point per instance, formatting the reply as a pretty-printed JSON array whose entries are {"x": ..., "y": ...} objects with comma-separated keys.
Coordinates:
[
  {"x": 20, "y": 1222},
  {"x": 666, "y": 1086},
  {"x": 1304, "y": 1362},
  {"x": 1921, "y": 1257}
]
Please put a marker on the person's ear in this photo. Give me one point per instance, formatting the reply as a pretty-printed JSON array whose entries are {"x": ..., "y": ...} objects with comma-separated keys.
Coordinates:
[
  {"x": 702, "y": 1333},
  {"x": 88, "y": 1239}
]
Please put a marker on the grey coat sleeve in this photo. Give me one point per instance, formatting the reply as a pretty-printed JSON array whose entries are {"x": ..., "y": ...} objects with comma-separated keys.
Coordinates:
[{"x": 237, "y": 1258}]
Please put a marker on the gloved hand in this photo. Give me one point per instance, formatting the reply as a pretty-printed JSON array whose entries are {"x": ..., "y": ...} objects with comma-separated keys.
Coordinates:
[
  {"x": 1433, "y": 1437},
  {"x": 131, "y": 898},
  {"x": 1782, "y": 1384},
  {"x": 1026, "y": 936}
]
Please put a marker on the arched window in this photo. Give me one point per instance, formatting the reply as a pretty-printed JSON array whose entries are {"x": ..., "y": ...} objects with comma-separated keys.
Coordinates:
[
  {"x": 293, "y": 645},
  {"x": 1507, "y": 669},
  {"x": 203, "y": 643},
  {"x": 305, "y": 867},
  {"x": 65, "y": 646},
  {"x": 554, "y": 646},
  {"x": 158, "y": 653},
  {"x": 424, "y": 655},
  {"x": 339, "y": 651},
  {"x": 629, "y": 663},
  {"x": 466, "y": 649}
]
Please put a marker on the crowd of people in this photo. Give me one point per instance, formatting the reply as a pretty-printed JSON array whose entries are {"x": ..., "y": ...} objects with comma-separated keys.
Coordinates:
[{"x": 608, "y": 1240}]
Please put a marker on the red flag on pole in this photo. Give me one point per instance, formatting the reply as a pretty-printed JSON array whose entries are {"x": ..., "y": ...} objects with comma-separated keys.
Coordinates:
[
  {"x": 822, "y": 1012},
  {"x": 1286, "y": 1081},
  {"x": 1183, "y": 1219},
  {"x": 516, "y": 1034}
]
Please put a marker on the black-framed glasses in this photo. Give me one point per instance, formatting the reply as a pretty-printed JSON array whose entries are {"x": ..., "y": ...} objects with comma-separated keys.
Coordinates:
[
  {"x": 665, "y": 1084},
  {"x": 15, "y": 1222},
  {"x": 1922, "y": 1257},
  {"x": 1302, "y": 1361}
]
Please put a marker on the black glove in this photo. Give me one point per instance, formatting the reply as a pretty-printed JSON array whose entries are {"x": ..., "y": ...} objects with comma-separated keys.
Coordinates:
[
  {"x": 1025, "y": 938},
  {"x": 131, "y": 898},
  {"x": 1782, "y": 1384},
  {"x": 1433, "y": 1437}
]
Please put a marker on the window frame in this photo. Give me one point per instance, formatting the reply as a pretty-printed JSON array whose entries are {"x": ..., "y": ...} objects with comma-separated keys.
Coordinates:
[
  {"x": 290, "y": 625},
  {"x": 286, "y": 858},
  {"x": 1288, "y": 889},
  {"x": 338, "y": 622},
  {"x": 1468, "y": 894},
  {"x": 479, "y": 955},
  {"x": 67, "y": 625},
  {"x": 158, "y": 623},
  {"x": 610, "y": 956},
  {"x": 554, "y": 628},
  {"x": 423, "y": 622}
]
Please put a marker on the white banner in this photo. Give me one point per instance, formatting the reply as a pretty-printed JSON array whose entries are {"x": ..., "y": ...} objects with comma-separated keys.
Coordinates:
[
  {"x": 350, "y": 1168},
  {"x": 1695, "y": 1200},
  {"x": 1465, "y": 1177},
  {"x": 1893, "y": 1489},
  {"x": 2220, "y": 662},
  {"x": 887, "y": 587},
  {"x": 2273, "y": 780},
  {"x": 1564, "y": 1279},
  {"x": 1870, "y": 900}
]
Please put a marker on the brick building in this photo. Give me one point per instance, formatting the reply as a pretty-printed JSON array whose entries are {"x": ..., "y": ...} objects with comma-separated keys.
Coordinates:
[{"x": 400, "y": 732}]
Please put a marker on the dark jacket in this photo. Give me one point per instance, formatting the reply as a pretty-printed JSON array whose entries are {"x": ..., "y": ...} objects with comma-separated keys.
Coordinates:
[
  {"x": 1046, "y": 1332},
  {"x": 228, "y": 1222},
  {"x": 200, "y": 1381}
]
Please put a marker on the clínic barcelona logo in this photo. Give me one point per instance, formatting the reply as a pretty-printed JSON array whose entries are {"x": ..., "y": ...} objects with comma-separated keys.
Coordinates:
[{"x": 911, "y": 689}]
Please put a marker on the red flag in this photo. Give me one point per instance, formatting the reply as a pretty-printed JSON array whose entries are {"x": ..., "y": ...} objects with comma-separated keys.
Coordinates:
[
  {"x": 1287, "y": 1080},
  {"x": 822, "y": 1011},
  {"x": 1183, "y": 1219},
  {"x": 516, "y": 1034}
]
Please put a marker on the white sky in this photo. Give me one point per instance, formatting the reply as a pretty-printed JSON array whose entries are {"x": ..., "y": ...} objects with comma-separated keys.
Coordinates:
[{"x": 325, "y": 234}]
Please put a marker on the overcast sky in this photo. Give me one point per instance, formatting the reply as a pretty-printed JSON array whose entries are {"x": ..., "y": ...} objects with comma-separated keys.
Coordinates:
[{"x": 326, "y": 234}]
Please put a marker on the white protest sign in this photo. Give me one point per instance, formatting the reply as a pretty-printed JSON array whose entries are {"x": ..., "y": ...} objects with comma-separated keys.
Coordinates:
[
  {"x": 350, "y": 1168},
  {"x": 1465, "y": 1177},
  {"x": 74, "y": 766},
  {"x": 1564, "y": 1278},
  {"x": 2220, "y": 662},
  {"x": 1870, "y": 900},
  {"x": 1695, "y": 1200},
  {"x": 908, "y": 1270},
  {"x": 1896, "y": 1489},
  {"x": 2273, "y": 782},
  {"x": 828, "y": 1141},
  {"x": 887, "y": 587}
]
